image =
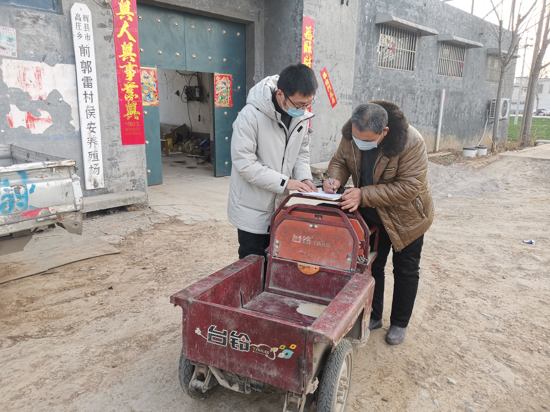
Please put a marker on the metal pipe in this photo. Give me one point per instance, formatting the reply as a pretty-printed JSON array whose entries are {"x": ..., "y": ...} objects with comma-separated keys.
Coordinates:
[
  {"x": 438, "y": 136},
  {"x": 485, "y": 130}
]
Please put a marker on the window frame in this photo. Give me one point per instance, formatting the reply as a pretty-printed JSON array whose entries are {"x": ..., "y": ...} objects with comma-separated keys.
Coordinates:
[
  {"x": 451, "y": 66},
  {"x": 406, "y": 46},
  {"x": 493, "y": 70}
]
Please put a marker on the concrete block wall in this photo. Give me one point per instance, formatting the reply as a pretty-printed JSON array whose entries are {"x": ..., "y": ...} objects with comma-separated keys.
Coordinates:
[
  {"x": 282, "y": 34},
  {"x": 40, "y": 88},
  {"x": 41, "y": 95},
  {"x": 418, "y": 92},
  {"x": 334, "y": 48},
  {"x": 45, "y": 87}
]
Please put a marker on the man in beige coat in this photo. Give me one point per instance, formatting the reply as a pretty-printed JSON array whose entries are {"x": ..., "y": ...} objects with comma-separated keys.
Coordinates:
[
  {"x": 270, "y": 153},
  {"x": 388, "y": 162}
]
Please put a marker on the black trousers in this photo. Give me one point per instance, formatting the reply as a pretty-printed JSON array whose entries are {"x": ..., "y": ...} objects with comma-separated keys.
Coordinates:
[
  {"x": 252, "y": 244},
  {"x": 406, "y": 265}
]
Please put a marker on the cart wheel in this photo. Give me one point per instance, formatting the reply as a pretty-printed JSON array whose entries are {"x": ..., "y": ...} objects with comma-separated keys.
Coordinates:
[
  {"x": 336, "y": 379},
  {"x": 186, "y": 370}
]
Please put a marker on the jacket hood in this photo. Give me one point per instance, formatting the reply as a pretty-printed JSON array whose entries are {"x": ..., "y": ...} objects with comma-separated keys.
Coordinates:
[
  {"x": 260, "y": 97},
  {"x": 394, "y": 142}
]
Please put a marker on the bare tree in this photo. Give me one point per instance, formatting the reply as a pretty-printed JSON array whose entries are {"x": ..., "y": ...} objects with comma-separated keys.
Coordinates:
[
  {"x": 542, "y": 41},
  {"x": 508, "y": 44}
]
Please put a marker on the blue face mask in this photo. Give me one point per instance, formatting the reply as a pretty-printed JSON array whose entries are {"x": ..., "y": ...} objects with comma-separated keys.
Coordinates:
[
  {"x": 362, "y": 145},
  {"x": 293, "y": 112}
]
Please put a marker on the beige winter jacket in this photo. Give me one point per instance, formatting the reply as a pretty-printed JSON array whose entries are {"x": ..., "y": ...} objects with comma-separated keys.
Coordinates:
[{"x": 265, "y": 156}]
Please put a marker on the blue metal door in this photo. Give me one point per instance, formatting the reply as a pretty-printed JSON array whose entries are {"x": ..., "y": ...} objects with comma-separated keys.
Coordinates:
[
  {"x": 218, "y": 46},
  {"x": 151, "y": 121},
  {"x": 175, "y": 40}
]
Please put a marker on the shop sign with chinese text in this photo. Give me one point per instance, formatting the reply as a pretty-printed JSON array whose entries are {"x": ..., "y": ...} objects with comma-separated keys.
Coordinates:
[
  {"x": 88, "y": 99},
  {"x": 328, "y": 87},
  {"x": 128, "y": 72}
]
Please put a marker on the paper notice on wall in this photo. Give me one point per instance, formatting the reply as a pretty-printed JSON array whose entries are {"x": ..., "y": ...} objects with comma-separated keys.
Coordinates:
[{"x": 8, "y": 42}]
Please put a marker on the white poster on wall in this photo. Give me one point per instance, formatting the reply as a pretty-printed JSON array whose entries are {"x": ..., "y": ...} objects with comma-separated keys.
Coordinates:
[{"x": 88, "y": 99}]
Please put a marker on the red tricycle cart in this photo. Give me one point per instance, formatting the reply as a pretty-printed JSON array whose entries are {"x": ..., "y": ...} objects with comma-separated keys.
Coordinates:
[{"x": 293, "y": 327}]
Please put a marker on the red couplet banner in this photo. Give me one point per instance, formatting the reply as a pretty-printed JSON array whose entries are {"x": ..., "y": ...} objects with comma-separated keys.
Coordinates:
[
  {"x": 128, "y": 72},
  {"x": 308, "y": 27},
  {"x": 328, "y": 87}
]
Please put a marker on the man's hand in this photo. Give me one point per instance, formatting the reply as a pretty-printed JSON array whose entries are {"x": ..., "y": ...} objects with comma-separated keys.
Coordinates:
[
  {"x": 297, "y": 185},
  {"x": 351, "y": 199},
  {"x": 327, "y": 187},
  {"x": 312, "y": 187}
]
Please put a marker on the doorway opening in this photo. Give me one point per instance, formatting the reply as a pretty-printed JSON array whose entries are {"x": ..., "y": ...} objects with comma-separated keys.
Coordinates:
[{"x": 186, "y": 122}]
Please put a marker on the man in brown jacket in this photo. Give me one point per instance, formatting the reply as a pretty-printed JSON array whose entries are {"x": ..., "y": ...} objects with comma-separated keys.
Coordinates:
[{"x": 388, "y": 163}]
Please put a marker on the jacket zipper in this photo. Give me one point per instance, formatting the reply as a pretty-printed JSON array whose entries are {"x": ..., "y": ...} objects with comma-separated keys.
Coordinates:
[
  {"x": 374, "y": 168},
  {"x": 422, "y": 215},
  {"x": 287, "y": 138},
  {"x": 356, "y": 168}
]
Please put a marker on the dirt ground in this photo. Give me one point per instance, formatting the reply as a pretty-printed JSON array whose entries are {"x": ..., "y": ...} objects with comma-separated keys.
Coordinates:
[{"x": 101, "y": 335}]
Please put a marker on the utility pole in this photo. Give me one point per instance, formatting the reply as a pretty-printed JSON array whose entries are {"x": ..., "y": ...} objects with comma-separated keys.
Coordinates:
[
  {"x": 473, "y": 6},
  {"x": 521, "y": 83}
]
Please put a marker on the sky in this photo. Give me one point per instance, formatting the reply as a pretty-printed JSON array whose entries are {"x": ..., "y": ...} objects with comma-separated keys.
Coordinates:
[{"x": 483, "y": 9}]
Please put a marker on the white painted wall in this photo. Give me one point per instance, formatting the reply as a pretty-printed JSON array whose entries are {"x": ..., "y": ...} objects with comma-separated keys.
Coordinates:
[{"x": 174, "y": 111}]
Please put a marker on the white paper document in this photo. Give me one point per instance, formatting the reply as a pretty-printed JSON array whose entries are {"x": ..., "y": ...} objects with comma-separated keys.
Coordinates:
[{"x": 322, "y": 195}]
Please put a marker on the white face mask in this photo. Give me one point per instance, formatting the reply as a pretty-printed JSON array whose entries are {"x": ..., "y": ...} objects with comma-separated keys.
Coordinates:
[{"x": 362, "y": 145}]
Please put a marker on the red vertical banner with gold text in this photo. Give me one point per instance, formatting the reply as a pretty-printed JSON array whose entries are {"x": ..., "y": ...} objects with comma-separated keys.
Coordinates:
[
  {"x": 128, "y": 72},
  {"x": 308, "y": 27},
  {"x": 328, "y": 87}
]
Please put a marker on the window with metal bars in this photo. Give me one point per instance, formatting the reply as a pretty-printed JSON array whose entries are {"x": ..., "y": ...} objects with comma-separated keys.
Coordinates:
[
  {"x": 397, "y": 48},
  {"x": 451, "y": 59},
  {"x": 493, "y": 69}
]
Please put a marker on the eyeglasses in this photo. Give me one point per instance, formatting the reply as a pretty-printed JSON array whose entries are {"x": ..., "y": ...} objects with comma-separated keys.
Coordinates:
[{"x": 304, "y": 107}]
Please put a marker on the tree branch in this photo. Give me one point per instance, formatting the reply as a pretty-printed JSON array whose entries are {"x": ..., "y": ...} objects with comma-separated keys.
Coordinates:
[{"x": 494, "y": 9}]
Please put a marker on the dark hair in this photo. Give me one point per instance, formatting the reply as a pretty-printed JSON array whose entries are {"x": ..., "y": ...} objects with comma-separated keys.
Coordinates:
[
  {"x": 370, "y": 117},
  {"x": 297, "y": 78}
]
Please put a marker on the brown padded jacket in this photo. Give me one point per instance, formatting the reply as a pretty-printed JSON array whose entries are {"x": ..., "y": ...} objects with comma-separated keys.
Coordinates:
[{"x": 401, "y": 192}]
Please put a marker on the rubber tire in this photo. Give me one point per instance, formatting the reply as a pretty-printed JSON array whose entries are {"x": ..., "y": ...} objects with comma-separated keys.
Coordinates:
[
  {"x": 186, "y": 370},
  {"x": 330, "y": 379}
]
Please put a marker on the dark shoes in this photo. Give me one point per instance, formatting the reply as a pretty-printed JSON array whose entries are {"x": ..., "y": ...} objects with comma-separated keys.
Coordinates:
[
  {"x": 375, "y": 324},
  {"x": 396, "y": 335}
]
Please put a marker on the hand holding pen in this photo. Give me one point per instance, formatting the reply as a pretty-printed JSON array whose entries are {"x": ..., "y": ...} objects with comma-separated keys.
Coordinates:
[{"x": 331, "y": 186}]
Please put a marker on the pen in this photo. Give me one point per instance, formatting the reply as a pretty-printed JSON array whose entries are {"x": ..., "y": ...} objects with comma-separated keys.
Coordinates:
[{"x": 330, "y": 180}]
